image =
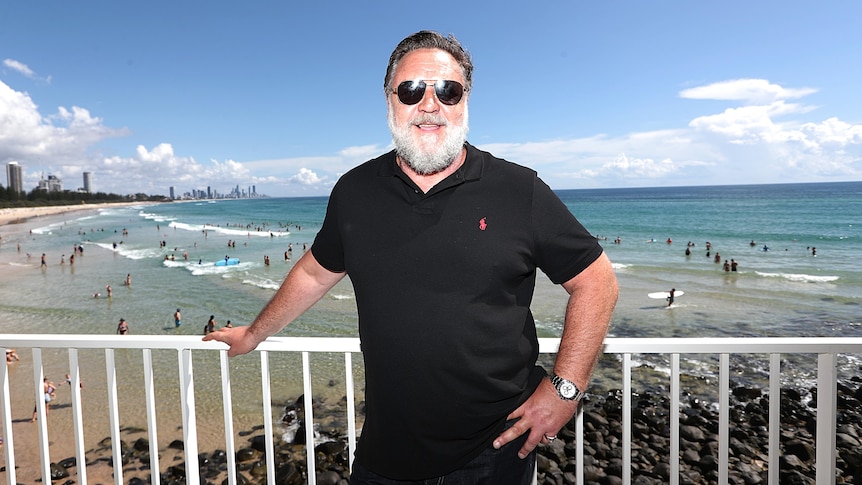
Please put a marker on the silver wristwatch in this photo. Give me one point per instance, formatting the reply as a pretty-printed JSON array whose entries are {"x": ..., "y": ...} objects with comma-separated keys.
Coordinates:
[{"x": 566, "y": 389}]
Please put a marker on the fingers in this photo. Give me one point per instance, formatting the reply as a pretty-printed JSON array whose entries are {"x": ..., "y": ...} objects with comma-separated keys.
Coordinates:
[{"x": 532, "y": 442}]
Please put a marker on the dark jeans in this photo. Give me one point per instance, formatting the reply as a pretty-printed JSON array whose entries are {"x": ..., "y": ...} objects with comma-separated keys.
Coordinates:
[{"x": 492, "y": 467}]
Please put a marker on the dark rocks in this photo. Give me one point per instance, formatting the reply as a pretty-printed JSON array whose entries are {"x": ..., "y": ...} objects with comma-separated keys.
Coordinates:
[{"x": 699, "y": 427}]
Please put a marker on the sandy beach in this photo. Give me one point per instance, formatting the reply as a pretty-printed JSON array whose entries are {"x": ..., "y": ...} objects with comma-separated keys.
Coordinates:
[{"x": 20, "y": 214}]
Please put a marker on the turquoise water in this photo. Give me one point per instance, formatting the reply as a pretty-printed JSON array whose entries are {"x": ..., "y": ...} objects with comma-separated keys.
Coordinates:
[{"x": 785, "y": 291}]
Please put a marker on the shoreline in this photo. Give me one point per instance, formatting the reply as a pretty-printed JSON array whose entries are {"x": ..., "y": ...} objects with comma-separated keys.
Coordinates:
[{"x": 18, "y": 215}]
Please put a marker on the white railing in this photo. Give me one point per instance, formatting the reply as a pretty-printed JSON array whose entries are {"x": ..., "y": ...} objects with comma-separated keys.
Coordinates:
[{"x": 826, "y": 349}]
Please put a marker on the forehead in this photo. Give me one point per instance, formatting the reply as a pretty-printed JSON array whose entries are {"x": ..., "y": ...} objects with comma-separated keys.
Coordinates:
[{"x": 428, "y": 64}]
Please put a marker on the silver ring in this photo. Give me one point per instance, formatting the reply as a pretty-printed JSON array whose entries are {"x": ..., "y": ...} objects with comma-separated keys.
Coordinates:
[{"x": 550, "y": 438}]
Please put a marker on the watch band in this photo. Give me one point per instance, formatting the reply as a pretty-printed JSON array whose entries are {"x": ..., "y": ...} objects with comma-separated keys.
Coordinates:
[{"x": 566, "y": 389}]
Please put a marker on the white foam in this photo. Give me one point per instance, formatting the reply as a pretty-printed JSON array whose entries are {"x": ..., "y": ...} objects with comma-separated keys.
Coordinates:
[
  {"x": 264, "y": 283},
  {"x": 801, "y": 278},
  {"x": 227, "y": 230}
]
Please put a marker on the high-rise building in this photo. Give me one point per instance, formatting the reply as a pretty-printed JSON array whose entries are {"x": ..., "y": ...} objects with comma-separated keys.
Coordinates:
[
  {"x": 14, "y": 178},
  {"x": 88, "y": 182},
  {"x": 51, "y": 184},
  {"x": 172, "y": 192}
]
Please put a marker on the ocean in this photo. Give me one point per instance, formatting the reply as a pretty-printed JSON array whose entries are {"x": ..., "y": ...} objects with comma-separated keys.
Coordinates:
[{"x": 808, "y": 283}]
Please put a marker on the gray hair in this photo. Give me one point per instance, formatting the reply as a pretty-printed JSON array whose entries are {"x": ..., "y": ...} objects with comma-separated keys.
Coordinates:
[{"x": 427, "y": 39}]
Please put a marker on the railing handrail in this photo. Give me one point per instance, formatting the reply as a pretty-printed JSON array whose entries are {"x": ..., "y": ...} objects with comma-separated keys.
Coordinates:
[{"x": 612, "y": 345}]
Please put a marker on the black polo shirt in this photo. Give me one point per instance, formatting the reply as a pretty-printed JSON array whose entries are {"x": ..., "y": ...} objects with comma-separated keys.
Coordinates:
[{"x": 443, "y": 285}]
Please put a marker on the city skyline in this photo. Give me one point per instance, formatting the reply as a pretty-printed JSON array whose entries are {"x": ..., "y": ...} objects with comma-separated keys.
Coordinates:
[
  {"x": 53, "y": 183},
  {"x": 588, "y": 95}
]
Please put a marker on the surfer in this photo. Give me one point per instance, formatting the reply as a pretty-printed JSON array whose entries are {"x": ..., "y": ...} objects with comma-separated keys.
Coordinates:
[{"x": 670, "y": 296}]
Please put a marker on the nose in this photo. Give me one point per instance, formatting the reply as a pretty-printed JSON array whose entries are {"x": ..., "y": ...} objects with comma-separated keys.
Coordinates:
[{"x": 429, "y": 102}]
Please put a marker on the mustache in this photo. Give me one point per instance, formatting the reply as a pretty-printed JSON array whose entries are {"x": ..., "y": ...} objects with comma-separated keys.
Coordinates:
[{"x": 429, "y": 119}]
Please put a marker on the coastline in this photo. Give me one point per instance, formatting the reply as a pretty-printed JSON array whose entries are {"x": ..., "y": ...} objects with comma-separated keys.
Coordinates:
[{"x": 17, "y": 215}]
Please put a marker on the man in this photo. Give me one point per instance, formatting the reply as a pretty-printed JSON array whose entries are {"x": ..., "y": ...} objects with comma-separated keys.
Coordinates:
[{"x": 442, "y": 242}]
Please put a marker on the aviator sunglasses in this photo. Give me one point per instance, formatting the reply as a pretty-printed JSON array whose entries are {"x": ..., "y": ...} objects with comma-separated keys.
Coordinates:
[{"x": 448, "y": 92}]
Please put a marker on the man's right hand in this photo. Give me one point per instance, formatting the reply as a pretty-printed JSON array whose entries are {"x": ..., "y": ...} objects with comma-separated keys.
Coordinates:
[{"x": 240, "y": 340}]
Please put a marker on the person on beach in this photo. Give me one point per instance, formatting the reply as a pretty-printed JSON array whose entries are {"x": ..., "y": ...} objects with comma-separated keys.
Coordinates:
[
  {"x": 670, "y": 296},
  {"x": 48, "y": 389},
  {"x": 69, "y": 381},
  {"x": 11, "y": 356},
  {"x": 128, "y": 281},
  {"x": 44, "y": 261},
  {"x": 442, "y": 243},
  {"x": 109, "y": 291},
  {"x": 122, "y": 327},
  {"x": 178, "y": 318}
]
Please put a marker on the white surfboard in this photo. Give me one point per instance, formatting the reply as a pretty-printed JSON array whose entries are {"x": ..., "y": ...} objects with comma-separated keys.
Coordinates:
[{"x": 663, "y": 295}]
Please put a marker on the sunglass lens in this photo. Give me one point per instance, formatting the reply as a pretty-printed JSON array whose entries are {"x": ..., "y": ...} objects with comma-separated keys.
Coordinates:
[
  {"x": 449, "y": 92},
  {"x": 411, "y": 92}
]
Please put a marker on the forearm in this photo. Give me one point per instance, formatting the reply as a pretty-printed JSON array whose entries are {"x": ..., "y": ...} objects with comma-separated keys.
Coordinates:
[
  {"x": 592, "y": 297},
  {"x": 306, "y": 283}
]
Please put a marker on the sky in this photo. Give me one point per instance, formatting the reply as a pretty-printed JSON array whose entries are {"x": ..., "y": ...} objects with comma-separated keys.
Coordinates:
[{"x": 287, "y": 96}]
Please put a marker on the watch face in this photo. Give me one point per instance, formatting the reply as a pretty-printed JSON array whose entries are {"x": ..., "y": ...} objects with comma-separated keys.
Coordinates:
[{"x": 568, "y": 390}]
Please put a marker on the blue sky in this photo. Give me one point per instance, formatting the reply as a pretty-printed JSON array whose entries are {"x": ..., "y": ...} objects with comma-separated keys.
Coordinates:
[{"x": 287, "y": 96}]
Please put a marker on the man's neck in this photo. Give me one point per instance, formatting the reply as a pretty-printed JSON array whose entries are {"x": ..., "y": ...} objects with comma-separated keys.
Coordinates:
[{"x": 427, "y": 182}]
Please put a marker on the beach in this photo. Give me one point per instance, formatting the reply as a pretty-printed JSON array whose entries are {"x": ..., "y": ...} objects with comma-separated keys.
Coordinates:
[
  {"x": 18, "y": 215},
  {"x": 170, "y": 251}
]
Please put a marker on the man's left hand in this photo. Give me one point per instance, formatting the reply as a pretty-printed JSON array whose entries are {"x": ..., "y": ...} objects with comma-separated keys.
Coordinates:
[{"x": 543, "y": 415}]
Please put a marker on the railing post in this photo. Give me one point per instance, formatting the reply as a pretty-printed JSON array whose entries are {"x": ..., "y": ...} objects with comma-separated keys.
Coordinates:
[
  {"x": 627, "y": 419},
  {"x": 309, "y": 420},
  {"x": 190, "y": 425},
  {"x": 113, "y": 416},
  {"x": 351, "y": 408},
  {"x": 774, "y": 418},
  {"x": 152, "y": 429},
  {"x": 723, "y": 418},
  {"x": 673, "y": 415},
  {"x": 266, "y": 392},
  {"x": 228, "y": 417},
  {"x": 78, "y": 417},
  {"x": 827, "y": 392},
  {"x": 6, "y": 417},
  {"x": 42, "y": 414}
]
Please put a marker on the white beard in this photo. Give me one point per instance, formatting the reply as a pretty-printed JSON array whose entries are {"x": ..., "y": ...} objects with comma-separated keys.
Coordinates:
[{"x": 416, "y": 152}]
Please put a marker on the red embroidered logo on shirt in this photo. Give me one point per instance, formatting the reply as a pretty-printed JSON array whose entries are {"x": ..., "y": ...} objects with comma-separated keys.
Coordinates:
[{"x": 482, "y": 224}]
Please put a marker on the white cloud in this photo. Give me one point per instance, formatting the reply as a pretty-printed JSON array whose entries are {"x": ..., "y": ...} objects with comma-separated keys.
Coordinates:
[
  {"x": 19, "y": 67},
  {"x": 307, "y": 177},
  {"x": 758, "y": 91},
  {"x": 64, "y": 137}
]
